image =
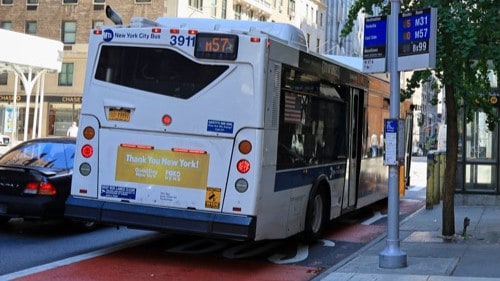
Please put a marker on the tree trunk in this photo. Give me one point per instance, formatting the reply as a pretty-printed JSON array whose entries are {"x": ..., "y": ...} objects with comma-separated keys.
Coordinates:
[{"x": 451, "y": 162}]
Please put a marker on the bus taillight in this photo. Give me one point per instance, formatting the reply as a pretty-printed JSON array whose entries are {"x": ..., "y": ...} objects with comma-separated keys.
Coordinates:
[
  {"x": 166, "y": 119},
  {"x": 88, "y": 133},
  {"x": 243, "y": 166},
  {"x": 186, "y": 150},
  {"x": 97, "y": 31},
  {"x": 255, "y": 39},
  {"x": 245, "y": 147},
  {"x": 174, "y": 30},
  {"x": 192, "y": 32},
  {"x": 156, "y": 30},
  {"x": 87, "y": 150}
]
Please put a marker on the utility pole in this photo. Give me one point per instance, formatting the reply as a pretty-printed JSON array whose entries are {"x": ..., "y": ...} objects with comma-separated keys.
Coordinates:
[{"x": 392, "y": 256}]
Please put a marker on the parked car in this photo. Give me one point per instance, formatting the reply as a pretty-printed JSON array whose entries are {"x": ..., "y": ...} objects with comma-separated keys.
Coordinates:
[{"x": 35, "y": 180}]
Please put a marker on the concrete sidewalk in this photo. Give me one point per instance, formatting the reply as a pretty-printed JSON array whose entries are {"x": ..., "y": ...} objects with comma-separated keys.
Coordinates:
[{"x": 430, "y": 257}]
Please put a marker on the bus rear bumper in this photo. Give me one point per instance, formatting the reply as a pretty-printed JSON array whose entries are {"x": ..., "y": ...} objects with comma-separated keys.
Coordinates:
[{"x": 162, "y": 219}]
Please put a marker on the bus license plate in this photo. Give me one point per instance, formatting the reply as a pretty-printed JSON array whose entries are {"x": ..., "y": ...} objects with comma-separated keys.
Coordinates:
[{"x": 119, "y": 114}]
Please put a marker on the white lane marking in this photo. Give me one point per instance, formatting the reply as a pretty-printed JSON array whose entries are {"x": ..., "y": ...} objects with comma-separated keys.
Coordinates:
[
  {"x": 327, "y": 243},
  {"x": 301, "y": 254},
  {"x": 377, "y": 216}
]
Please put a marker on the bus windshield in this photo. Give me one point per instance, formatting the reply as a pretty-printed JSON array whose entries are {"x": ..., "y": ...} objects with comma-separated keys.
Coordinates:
[{"x": 155, "y": 70}]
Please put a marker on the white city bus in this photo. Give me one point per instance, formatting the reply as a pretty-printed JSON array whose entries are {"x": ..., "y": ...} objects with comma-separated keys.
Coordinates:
[{"x": 220, "y": 128}]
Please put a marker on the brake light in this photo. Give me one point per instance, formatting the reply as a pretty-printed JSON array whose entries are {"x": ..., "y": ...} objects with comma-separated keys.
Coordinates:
[
  {"x": 186, "y": 150},
  {"x": 156, "y": 30},
  {"x": 174, "y": 30},
  {"x": 243, "y": 166},
  {"x": 41, "y": 188},
  {"x": 192, "y": 32},
  {"x": 46, "y": 188},
  {"x": 87, "y": 150},
  {"x": 255, "y": 39},
  {"x": 31, "y": 188},
  {"x": 138, "y": 146},
  {"x": 166, "y": 119},
  {"x": 97, "y": 31}
]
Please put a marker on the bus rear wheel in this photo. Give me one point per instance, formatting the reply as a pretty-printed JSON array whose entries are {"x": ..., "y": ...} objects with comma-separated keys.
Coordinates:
[{"x": 315, "y": 216}]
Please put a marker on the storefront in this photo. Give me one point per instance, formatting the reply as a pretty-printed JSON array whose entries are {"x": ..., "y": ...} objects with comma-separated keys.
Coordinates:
[{"x": 58, "y": 112}]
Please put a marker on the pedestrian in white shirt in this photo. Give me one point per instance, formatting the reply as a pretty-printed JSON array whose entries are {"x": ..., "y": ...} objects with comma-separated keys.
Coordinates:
[{"x": 72, "y": 130}]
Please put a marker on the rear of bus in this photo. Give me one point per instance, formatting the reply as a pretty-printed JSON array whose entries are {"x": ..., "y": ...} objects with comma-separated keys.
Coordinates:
[{"x": 171, "y": 134}]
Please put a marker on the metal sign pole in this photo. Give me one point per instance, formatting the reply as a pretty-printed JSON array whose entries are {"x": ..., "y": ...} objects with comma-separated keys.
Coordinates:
[{"x": 392, "y": 256}]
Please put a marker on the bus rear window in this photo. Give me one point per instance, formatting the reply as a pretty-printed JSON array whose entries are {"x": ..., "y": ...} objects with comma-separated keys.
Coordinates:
[{"x": 155, "y": 70}]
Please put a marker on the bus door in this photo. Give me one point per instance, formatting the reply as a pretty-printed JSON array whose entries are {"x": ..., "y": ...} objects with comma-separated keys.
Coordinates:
[{"x": 350, "y": 188}]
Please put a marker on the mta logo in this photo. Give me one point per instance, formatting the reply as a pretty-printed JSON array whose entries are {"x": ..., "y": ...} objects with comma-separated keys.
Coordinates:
[{"x": 108, "y": 35}]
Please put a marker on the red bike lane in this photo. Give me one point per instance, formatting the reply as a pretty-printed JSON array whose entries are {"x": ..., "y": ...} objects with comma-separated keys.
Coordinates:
[{"x": 155, "y": 263}]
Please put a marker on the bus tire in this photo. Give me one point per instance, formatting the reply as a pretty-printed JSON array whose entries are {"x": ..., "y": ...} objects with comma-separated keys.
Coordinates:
[{"x": 315, "y": 216}]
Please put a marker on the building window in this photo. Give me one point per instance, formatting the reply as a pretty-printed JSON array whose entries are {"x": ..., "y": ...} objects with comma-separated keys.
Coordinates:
[
  {"x": 6, "y": 25},
  {"x": 224, "y": 10},
  {"x": 7, "y": 2},
  {"x": 97, "y": 23},
  {"x": 250, "y": 14},
  {"x": 291, "y": 8},
  {"x": 70, "y": 1},
  {"x": 3, "y": 78},
  {"x": 99, "y": 5},
  {"x": 30, "y": 27},
  {"x": 31, "y": 2},
  {"x": 213, "y": 8},
  {"x": 197, "y": 4},
  {"x": 66, "y": 75},
  {"x": 237, "y": 12},
  {"x": 69, "y": 32},
  {"x": 31, "y": 5}
]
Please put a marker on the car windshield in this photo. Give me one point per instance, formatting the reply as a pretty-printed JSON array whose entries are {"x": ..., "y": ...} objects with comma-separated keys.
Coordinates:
[{"x": 55, "y": 155}]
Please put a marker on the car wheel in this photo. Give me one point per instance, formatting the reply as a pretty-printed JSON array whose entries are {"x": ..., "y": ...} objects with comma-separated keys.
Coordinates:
[{"x": 316, "y": 216}]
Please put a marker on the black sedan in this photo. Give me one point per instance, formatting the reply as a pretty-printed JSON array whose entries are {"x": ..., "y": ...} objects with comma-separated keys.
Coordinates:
[{"x": 35, "y": 180}]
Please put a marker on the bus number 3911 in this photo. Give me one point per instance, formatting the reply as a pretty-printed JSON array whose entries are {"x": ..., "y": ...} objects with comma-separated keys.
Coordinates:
[{"x": 181, "y": 40}]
